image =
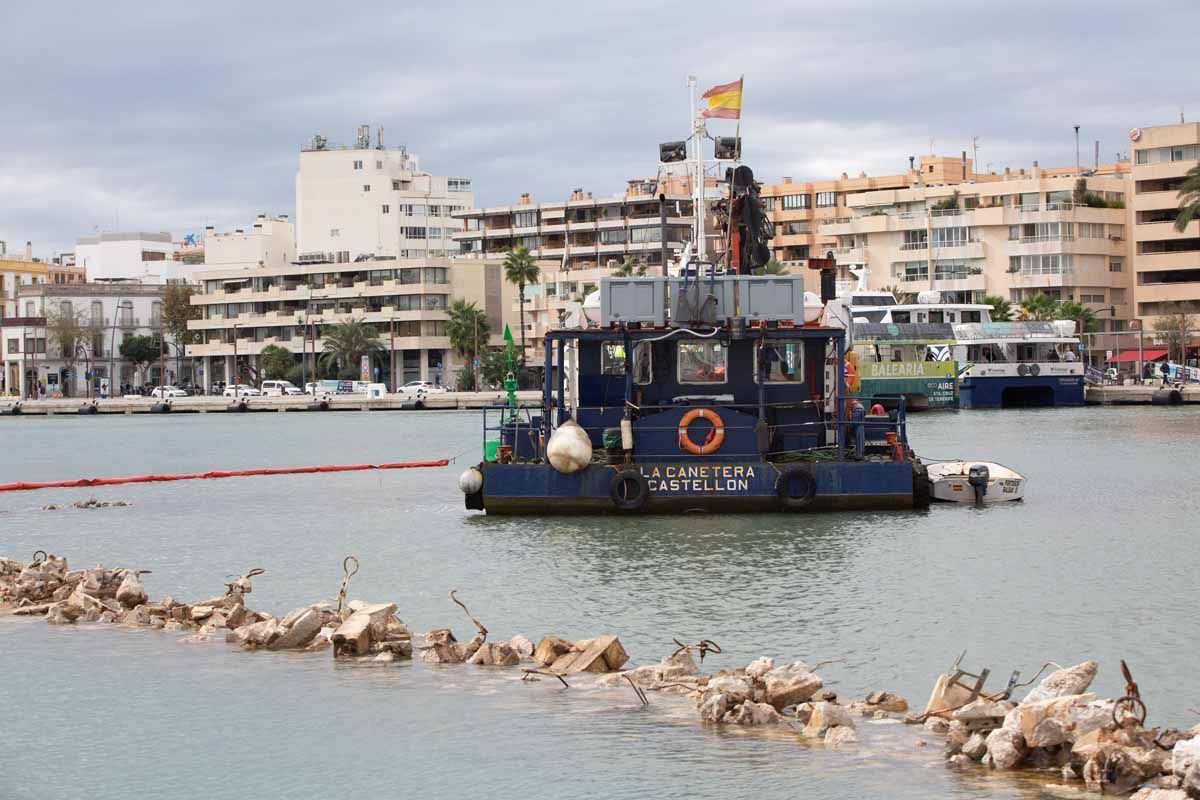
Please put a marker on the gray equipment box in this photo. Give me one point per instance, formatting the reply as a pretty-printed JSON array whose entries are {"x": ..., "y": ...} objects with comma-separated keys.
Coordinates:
[
  {"x": 702, "y": 300},
  {"x": 772, "y": 298},
  {"x": 641, "y": 300}
]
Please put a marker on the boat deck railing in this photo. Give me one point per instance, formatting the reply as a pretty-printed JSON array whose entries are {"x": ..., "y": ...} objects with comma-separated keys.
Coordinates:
[{"x": 853, "y": 432}]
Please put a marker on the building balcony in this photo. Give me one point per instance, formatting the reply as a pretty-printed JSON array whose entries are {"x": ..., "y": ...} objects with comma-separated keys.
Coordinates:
[
  {"x": 848, "y": 255},
  {"x": 1037, "y": 280},
  {"x": 969, "y": 283},
  {"x": 498, "y": 233},
  {"x": 1160, "y": 261},
  {"x": 585, "y": 225},
  {"x": 550, "y": 252},
  {"x": 610, "y": 224},
  {"x": 873, "y": 223},
  {"x": 559, "y": 227},
  {"x": 1162, "y": 231}
]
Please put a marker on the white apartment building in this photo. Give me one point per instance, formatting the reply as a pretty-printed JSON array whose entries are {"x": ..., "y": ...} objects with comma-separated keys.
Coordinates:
[
  {"x": 107, "y": 313},
  {"x": 140, "y": 256},
  {"x": 270, "y": 242},
  {"x": 1008, "y": 236},
  {"x": 358, "y": 201},
  {"x": 292, "y": 305}
]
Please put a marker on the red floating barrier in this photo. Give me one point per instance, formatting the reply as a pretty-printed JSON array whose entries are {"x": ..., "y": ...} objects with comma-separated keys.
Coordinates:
[{"x": 21, "y": 486}]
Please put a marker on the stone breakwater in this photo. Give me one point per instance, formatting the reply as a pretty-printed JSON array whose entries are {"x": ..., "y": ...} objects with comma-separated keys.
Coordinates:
[{"x": 1058, "y": 728}]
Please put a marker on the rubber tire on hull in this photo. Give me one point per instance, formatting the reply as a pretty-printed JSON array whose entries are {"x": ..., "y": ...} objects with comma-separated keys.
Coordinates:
[
  {"x": 922, "y": 491},
  {"x": 783, "y": 487},
  {"x": 627, "y": 502}
]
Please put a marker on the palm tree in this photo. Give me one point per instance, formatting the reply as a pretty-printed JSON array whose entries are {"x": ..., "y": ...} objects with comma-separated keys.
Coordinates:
[
  {"x": 468, "y": 324},
  {"x": 347, "y": 342},
  {"x": 774, "y": 267},
  {"x": 1002, "y": 310},
  {"x": 902, "y": 297},
  {"x": 1083, "y": 317},
  {"x": 630, "y": 268},
  {"x": 1039, "y": 307},
  {"x": 1189, "y": 199},
  {"x": 520, "y": 268}
]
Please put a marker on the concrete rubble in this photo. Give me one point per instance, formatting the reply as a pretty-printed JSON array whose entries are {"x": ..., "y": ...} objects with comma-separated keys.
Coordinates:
[{"x": 1059, "y": 726}]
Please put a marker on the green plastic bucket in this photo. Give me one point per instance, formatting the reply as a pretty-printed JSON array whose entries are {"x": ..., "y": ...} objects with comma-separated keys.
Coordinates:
[{"x": 490, "y": 446}]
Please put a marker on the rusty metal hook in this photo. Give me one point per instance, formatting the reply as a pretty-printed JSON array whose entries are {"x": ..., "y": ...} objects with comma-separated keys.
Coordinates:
[
  {"x": 705, "y": 646},
  {"x": 44, "y": 555},
  {"x": 347, "y": 574},
  {"x": 1129, "y": 709}
]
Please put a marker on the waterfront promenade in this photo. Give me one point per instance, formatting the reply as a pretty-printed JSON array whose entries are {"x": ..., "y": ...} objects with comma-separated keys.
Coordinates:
[{"x": 207, "y": 404}]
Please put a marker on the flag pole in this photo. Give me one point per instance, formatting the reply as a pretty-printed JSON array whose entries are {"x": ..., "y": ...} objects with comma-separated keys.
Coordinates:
[{"x": 698, "y": 189}]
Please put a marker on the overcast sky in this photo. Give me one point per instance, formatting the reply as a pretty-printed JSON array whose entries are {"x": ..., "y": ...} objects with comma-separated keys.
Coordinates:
[{"x": 173, "y": 115}]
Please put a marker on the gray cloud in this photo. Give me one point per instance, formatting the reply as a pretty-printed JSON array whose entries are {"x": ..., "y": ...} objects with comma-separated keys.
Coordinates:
[{"x": 172, "y": 116}]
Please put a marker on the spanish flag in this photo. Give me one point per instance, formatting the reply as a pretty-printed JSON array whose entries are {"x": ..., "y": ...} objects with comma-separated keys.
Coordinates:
[{"x": 724, "y": 101}]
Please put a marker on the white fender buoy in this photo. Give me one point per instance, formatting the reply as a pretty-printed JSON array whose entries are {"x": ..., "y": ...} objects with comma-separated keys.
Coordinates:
[{"x": 569, "y": 449}]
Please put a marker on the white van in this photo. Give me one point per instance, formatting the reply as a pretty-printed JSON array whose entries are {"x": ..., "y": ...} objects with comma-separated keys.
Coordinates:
[{"x": 279, "y": 388}]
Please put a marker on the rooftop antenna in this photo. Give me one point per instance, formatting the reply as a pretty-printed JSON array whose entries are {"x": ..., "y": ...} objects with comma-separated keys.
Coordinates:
[
  {"x": 364, "y": 137},
  {"x": 1077, "y": 150},
  {"x": 379, "y": 137},
  {"x": 974, "y": 156}
]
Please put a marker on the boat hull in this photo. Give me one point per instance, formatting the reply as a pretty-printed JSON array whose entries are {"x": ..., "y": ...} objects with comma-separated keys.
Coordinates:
[
  {"x": 1016, "y": 392},
  {"x": 725, "y": 487},
  {"x": 949, "y": 482}
]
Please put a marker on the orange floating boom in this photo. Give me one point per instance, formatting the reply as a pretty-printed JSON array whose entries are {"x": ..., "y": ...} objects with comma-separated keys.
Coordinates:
[{"x": 21, "y": 486}]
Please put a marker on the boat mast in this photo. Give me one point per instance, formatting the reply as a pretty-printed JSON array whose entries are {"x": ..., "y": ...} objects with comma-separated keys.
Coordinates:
[{"x": 698, "y": 153}]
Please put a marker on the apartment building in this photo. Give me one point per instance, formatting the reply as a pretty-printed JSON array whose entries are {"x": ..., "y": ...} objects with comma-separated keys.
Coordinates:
[
  {"x": 363, "y": 200},
  {"x": 585, "y": 232},
  {"x": 136, "y": 255},
  {"x": 1166, "y": 263},
  {"x": 1057, "y": 232},
  {"x": 107, "y": 315},
  {"x": 270, "y": 242},
  {"x": 292, "y": 305}
]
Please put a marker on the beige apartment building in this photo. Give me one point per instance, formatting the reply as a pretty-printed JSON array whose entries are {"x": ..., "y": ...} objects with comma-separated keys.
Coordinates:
[
  {"x": 1166, "y": 263},
  {"x": 585, "y": 232},
  {"x": 1010, "y": 235},
  {"x": 289, "y": 305}
]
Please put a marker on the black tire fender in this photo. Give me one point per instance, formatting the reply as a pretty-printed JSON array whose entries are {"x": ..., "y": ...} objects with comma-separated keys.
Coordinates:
[
  {"x": 922, "y": 491},
  {"x": 789, "y": 477},
  {"x": 622, "y": 498}
]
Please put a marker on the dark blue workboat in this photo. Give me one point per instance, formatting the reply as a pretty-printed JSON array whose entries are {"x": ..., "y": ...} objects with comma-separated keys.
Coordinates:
[{"x": 715, "y": 390}]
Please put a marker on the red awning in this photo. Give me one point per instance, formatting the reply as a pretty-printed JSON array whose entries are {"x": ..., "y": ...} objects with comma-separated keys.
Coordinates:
[{"x": 1148, "y": 354}]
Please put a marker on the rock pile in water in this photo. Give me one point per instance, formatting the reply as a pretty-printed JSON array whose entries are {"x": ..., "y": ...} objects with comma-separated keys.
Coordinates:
[
  {"x": 1058, "y": 725},
  {"x": 1061, "y": 725}
]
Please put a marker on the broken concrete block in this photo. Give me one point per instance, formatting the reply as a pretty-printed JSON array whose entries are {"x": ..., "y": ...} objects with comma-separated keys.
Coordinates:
[
  {"x": 299, "y": 632},
  {"x": 602, "y": 654},
  {"x": 1005, "y": 748},
  {"x": 887, "y": 701},
  {"x": 791, "y": 684},
  {"x": 550, "y": 649},
  {"x": 523, "y": 646},
  {"x": 759, "y": 667},
  {"x": 751, "y": 713},
  {"x": 496, "y": 654},
  {"x": 131, "y": 592},
  {"x": 825, "y": 716},
  {"x": 1063, "y": 682},
  {"x": 200, "y": 613},
  {"x": 946, "y": 696},
  {"x": 353, "y": 637}
]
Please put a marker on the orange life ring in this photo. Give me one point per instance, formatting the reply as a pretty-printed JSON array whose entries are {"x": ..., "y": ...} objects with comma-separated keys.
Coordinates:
[{"x": 711, "y": 444}]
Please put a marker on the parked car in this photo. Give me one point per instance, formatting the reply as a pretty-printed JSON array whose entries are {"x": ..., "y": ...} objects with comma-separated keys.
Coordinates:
[
  {"x": 279, "y": 389},
  {"x": 241, "y": 390},
  {"x": 420, "y": 388},
  {"x": 163, "y": 392}
]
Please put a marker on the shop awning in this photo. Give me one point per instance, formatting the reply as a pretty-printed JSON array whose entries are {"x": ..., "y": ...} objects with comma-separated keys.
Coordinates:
[{"x": 1148, "y": 354}]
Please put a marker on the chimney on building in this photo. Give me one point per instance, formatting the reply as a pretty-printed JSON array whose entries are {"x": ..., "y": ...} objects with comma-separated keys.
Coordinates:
[
  {"x": 845, "y": 177},
  {"x": 577, "y": 194},
  {"x": 1037, "y": 171},
  {"x": 238, "y": 230},
  {"x": 964, "y": 165},
  {"x": 1097, "y": 165},
  {"x": 29, "y": 250},
  {"x": 862, "y": 173},
  {"x": 787, "y": 178},
  {"x": 1022, "y": 172},
  {"x": 524, "y": 198},
  {"x": 3, "y": 247},
  {"x": 589, "y": 197},
  {"x": 912, "y": 163}
]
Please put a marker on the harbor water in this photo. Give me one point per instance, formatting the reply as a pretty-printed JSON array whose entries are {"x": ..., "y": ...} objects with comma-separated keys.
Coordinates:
[{"x": 1099, "y": 561}]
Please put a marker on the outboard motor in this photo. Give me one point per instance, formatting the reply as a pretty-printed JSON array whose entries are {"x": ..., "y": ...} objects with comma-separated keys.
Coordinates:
[{"x": 978, "y": 476}]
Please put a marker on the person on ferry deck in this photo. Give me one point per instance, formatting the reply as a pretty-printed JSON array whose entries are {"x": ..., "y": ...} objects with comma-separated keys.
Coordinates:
[{"x": 1069, "y": 355}]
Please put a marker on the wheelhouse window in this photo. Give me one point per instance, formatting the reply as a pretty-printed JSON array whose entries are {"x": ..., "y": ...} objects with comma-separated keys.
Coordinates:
[
  {"x": 784, "y": 361},
  {"x": 612, "y": 361},
  {"x": 702, "y": 362}
]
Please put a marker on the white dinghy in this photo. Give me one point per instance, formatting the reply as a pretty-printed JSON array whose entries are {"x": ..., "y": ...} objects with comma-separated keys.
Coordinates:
[{"x": 975, "y": 482}]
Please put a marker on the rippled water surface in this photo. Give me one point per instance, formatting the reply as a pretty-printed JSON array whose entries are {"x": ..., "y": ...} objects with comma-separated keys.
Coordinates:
[{"x": 1100, "y": 561}]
